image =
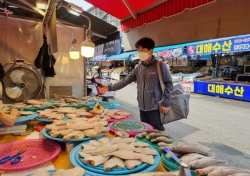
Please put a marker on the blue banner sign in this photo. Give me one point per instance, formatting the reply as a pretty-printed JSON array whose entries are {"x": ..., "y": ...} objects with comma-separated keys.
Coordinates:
[
  {"x": 201, "y": 57},
  {"x": 100, "y": 58},
  {"x": 233, "y": 91},
  {"x": 225, "y": 45},
  {"x": 169, "y": 53}
]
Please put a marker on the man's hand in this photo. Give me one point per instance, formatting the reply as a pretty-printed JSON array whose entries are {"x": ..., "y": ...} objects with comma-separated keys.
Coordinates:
[
  {"x": 164, "y": 109},
  {"x": 104, "y": 89}
]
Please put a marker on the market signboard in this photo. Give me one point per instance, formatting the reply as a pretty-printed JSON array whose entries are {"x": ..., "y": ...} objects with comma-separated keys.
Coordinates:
[
  {"x": 112, "y": 47},
  {"x": 233, "y": 91},
  {"x": 100, "y": 58},
  {"x": 169, "y": 53},
  {"x": 225, "y": 45}
]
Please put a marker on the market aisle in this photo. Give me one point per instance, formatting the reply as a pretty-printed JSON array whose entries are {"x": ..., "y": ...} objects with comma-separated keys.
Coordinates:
[{"x": 219, "y": 125}]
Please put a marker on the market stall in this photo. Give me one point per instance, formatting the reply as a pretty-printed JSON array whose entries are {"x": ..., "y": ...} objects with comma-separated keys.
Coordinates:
[
  {"x": 229, "y": 68},
  {"x": 129, "y": 148},
  {"x": 62, "y": 148},
  {"x": 122, "y": 68}
]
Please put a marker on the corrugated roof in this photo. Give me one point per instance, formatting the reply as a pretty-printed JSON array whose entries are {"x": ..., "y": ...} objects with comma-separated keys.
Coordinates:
[{"x": 98, "y": 26}]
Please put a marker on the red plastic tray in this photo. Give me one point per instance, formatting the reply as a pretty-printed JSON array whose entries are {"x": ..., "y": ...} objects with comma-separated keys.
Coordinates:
[
  {"x": 38, "y": 152},
  {"x": 125, "y": 118}
]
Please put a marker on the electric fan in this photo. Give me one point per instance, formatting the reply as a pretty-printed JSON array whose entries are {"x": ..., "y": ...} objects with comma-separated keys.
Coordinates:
[{"x": 21, "y": 81}]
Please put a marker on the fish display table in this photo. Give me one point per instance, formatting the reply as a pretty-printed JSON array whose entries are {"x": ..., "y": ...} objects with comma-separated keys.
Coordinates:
[{"x": 62, "y": 161}]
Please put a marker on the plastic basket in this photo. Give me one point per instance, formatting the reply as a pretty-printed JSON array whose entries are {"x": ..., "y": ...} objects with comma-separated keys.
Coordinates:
[
  {"x": 104, "y": 104},
  {"x": 74, "y": 155},
  {"x": 171, "y": 165},
  {"x": 125, "y": 118},
  {"x": 37, "y": 152},
  {"x": 131, "y": 127}
]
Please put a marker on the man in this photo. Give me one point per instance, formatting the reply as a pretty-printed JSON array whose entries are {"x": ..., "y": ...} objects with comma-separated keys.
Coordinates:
[{"x": 149, "y": 91}]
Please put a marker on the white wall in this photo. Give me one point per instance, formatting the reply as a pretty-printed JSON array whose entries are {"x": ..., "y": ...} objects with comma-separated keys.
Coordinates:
[{"x": 22, "y": 39}]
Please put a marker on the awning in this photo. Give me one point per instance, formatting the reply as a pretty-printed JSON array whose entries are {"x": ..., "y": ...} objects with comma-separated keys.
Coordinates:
[
  {"x": 123, "y": 56},
  {"x": 145, "y": 11}
]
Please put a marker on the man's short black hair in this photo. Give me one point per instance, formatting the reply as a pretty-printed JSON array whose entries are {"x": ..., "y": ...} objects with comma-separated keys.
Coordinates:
[{"x": 145, "y": 42}]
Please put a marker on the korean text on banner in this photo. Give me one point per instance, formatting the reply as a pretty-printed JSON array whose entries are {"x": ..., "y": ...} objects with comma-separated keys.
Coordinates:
[
  {"x": 225, "y": 45},
  {"x": 233, "y": 91}
]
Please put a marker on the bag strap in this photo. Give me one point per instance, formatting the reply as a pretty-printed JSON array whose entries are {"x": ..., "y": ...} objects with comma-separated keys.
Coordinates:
[{"x": 160, "y": 76}]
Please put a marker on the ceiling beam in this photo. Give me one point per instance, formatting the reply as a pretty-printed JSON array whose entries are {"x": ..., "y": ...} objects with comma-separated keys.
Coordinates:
[
  {"x": 33, "y": 7},
  {"x": 22, "y": 7},
  {"x": 50, "y": 9},
  {"x": 146, "y": 9},
  {"x": 129, "y": 8}
]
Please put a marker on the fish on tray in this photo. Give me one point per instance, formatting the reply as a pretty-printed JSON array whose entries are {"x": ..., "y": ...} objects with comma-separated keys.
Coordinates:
[
  {"x": 131, "y": 164},
  {"x": 204, "y": 162},
  {"x": 183, "y": 148},
  {"x": 113, "y": 162},
  {"x": 190, "y": 157},
  {"x": 95, "y": 160}
]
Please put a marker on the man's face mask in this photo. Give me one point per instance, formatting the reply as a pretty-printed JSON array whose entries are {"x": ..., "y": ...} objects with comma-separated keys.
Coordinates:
[{"x": 143, "y": 56}]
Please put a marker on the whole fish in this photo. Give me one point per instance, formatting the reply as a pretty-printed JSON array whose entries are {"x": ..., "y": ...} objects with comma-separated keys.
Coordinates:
[
  {"x": 241, "y": 174},
  {"x": 155, "y": 135},
  {"x": 186, "y": 149},
  {"x": 227, "y": 171},
  {"x": 190, "y": 157},
  {"x": 204, "y": 162},
  {"x": 205, "y": 171},
  {"x": 162, "y": 144},
  {"x": 153, "y": 131},
  {"x": 142, "y": 135},
  {"x": 162, "y": 139}
]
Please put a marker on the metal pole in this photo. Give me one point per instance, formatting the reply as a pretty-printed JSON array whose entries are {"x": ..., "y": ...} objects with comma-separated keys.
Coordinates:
[{"x": 84, "y": 70}]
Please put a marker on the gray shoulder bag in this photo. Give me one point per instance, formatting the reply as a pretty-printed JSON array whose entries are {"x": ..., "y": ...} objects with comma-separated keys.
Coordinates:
[{"x": 179, "y": 107}]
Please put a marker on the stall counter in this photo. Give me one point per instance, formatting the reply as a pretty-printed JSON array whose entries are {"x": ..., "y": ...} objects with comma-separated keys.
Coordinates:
[{"x": 62, "y": 161}]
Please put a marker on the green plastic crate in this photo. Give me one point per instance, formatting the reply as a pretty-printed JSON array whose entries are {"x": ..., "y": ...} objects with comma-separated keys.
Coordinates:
[{"x": 171, "y": 165}]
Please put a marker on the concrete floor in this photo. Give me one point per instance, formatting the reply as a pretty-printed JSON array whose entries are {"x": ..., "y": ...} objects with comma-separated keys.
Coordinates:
[{"x": 219, "y": 126}]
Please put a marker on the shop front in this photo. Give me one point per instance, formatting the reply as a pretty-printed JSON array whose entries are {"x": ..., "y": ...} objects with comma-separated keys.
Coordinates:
[{"x": 230, "y": 76}]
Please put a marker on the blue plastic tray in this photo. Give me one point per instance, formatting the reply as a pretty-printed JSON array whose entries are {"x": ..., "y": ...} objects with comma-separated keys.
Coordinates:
[
  {"x": 23, "y": 120},
  {"x": 105, "y": 104},
  {"x": 74, "y": 155},
  {"x": 78, "y": 106},
  {"x": 45, "y": 134},
  {"x": 33, "y": 109},
  {"x": 99, "y": 169}
]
